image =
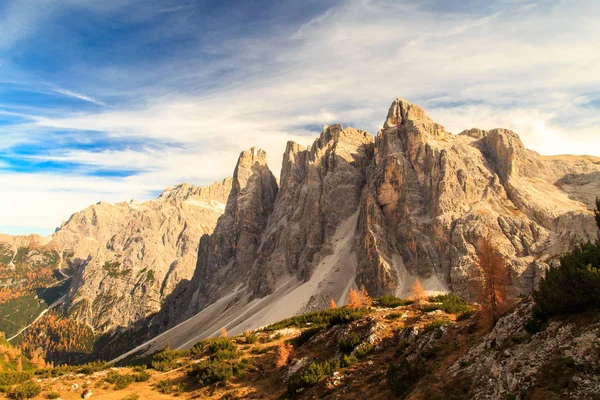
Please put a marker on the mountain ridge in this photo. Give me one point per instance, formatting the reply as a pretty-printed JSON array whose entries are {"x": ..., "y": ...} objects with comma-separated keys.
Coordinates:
[{"x": 413, "y": 201}]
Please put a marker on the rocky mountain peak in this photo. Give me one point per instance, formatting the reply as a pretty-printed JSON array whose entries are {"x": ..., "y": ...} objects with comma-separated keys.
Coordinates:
[{"x": 402, "y": 111}]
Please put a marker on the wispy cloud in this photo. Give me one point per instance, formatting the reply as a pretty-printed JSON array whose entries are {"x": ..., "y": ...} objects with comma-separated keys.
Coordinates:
[
  {"x": 206, "y": 94},
  {"x": 176, "y": 8},
  {"x": 79, "y": 96}
]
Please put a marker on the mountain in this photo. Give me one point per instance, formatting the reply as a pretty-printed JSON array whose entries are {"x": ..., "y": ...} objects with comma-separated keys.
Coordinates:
[
  {"x": 351, "y": 210},
  {"x": 109, "y": 266}
]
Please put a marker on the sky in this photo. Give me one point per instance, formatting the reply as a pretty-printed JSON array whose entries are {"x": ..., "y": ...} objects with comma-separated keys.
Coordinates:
[{"x": 117, "y": 99}]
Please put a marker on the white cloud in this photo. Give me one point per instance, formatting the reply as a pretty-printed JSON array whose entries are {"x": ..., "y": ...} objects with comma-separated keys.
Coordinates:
[
  {"x": 79, "y": 96},
  {"x": 530, "y": 69}
]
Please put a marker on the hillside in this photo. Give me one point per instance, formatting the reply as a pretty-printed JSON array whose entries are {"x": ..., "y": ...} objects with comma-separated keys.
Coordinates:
[{"x": 417, "y": 351}]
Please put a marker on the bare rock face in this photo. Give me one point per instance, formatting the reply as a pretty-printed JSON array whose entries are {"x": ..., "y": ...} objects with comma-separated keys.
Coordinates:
[
  {"x": 129, "y": 256},
  {"x": 225, "y": 258},
  {"x": 432, "y": 195},
  {"x": 511, "y": 360},
  {"x": 320, "y": 188}
]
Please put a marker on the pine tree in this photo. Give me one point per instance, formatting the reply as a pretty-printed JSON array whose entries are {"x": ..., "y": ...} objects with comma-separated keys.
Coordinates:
[
  {"x": 223, "y": 332},
  {"x": 353, "y": 301},
  {"x": 365, "y": 299},
  {"x": 332, "y": 304},
  {"x": 417, "y": 293},
  {"x": 495, "y": 276}
]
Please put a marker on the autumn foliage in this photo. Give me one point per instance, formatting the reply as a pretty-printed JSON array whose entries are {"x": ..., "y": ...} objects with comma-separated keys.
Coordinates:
[
  {"x": 332, "y": 304},
  {"x": 357, "y": 300},
  {"x": 364, "y": 297},
  {"x": 353, "y": 302},
  {"x": 223, "y": 332},
  {"x": 492, "y": 293},
  {"x": 417, "y": 293},
  {"x": 285, "y": 353},
  {"x": 57, "y": 339}
]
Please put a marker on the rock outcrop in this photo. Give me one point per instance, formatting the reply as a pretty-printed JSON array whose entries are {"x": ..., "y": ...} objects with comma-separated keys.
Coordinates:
[
  {"x": 225, "y": 258},
  {"x": 128, "y": 257},
  {"x": 432, "y": 195}
]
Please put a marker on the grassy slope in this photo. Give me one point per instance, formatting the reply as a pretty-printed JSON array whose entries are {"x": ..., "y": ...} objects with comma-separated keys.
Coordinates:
[{"x": 263, "y": 379}]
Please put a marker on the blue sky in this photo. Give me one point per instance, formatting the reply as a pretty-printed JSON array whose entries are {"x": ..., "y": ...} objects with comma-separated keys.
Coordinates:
[{"x": 118, "y": 99}]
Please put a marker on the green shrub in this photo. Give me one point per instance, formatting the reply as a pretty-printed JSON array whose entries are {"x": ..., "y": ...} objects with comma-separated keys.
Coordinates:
[
  {"x": 141, "y": 376},
  {"x": 239, "y": 368},
  {"x": 261, "y": 350},
  {"x": 251, "y": 338},
  {"x": 348, "y": 343},
  {"x": 166, "y": 386},
  {"x": 403, "y": 376},
  {"x": 306, "y": 335},
  {"x": 10, "y": 378},
  {"x": 26, "y": 390},
  {"x": 166, "y": 360},
  {"x": 52, "y": 395},
  {"x": 221, "y": 355},
  {"x": 217, "y": 344},
  {"x": 198, "y": 348},
  {"x": 363, "y": 350},
  {"x": 465, "y": 315},
  {"x": 349, "y": 360},
  {"x": 572, "y": 286},
  {"x": 393, "y": 316},
  {"x": 451, "y": 303},
  {"x": 120, "y": 381},
  {"x": 56, "y": 371},
  {"x": 209, "y": 372},
  {"x": 311, "y": 375},
  {"x": 392, "y": 301},
  {"x": 436, "y": 324},
  {"x": 330, "y": 317},
  {"x": 91, "y": 367}
]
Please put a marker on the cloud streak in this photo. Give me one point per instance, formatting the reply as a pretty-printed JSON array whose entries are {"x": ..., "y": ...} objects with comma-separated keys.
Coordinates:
[
  {"x": 79, "y": 96},
  {"x": 211, "y": 94}
]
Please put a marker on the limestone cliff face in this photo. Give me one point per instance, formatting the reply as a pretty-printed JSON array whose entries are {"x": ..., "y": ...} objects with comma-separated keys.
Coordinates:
[
  {"x": 320, "y": 188},
  {"x": 432, "y": 196},
  {"x": 129, "y": 256},
  {"x": 225, "y": 258}
]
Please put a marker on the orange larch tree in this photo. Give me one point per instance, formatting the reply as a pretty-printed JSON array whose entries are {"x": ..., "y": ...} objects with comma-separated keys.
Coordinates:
[
  {"x": 285, "y": 353},
  {"x": 365, "y": 299},
  {"x": 223, "y": 332},
  {"x": 332, "y": 304},
  {"x": 492, "y": 293},
  {"x": 417, "y": 293},
  {"x": 353, "y": 302}
]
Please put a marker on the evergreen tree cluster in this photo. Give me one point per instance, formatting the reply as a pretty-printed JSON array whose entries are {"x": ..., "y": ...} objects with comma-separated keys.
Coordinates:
[{"x": 573, "y": 285}]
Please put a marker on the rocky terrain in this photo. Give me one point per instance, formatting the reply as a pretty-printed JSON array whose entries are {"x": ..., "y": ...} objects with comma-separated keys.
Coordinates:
[{"x": 408, "y": 351}]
